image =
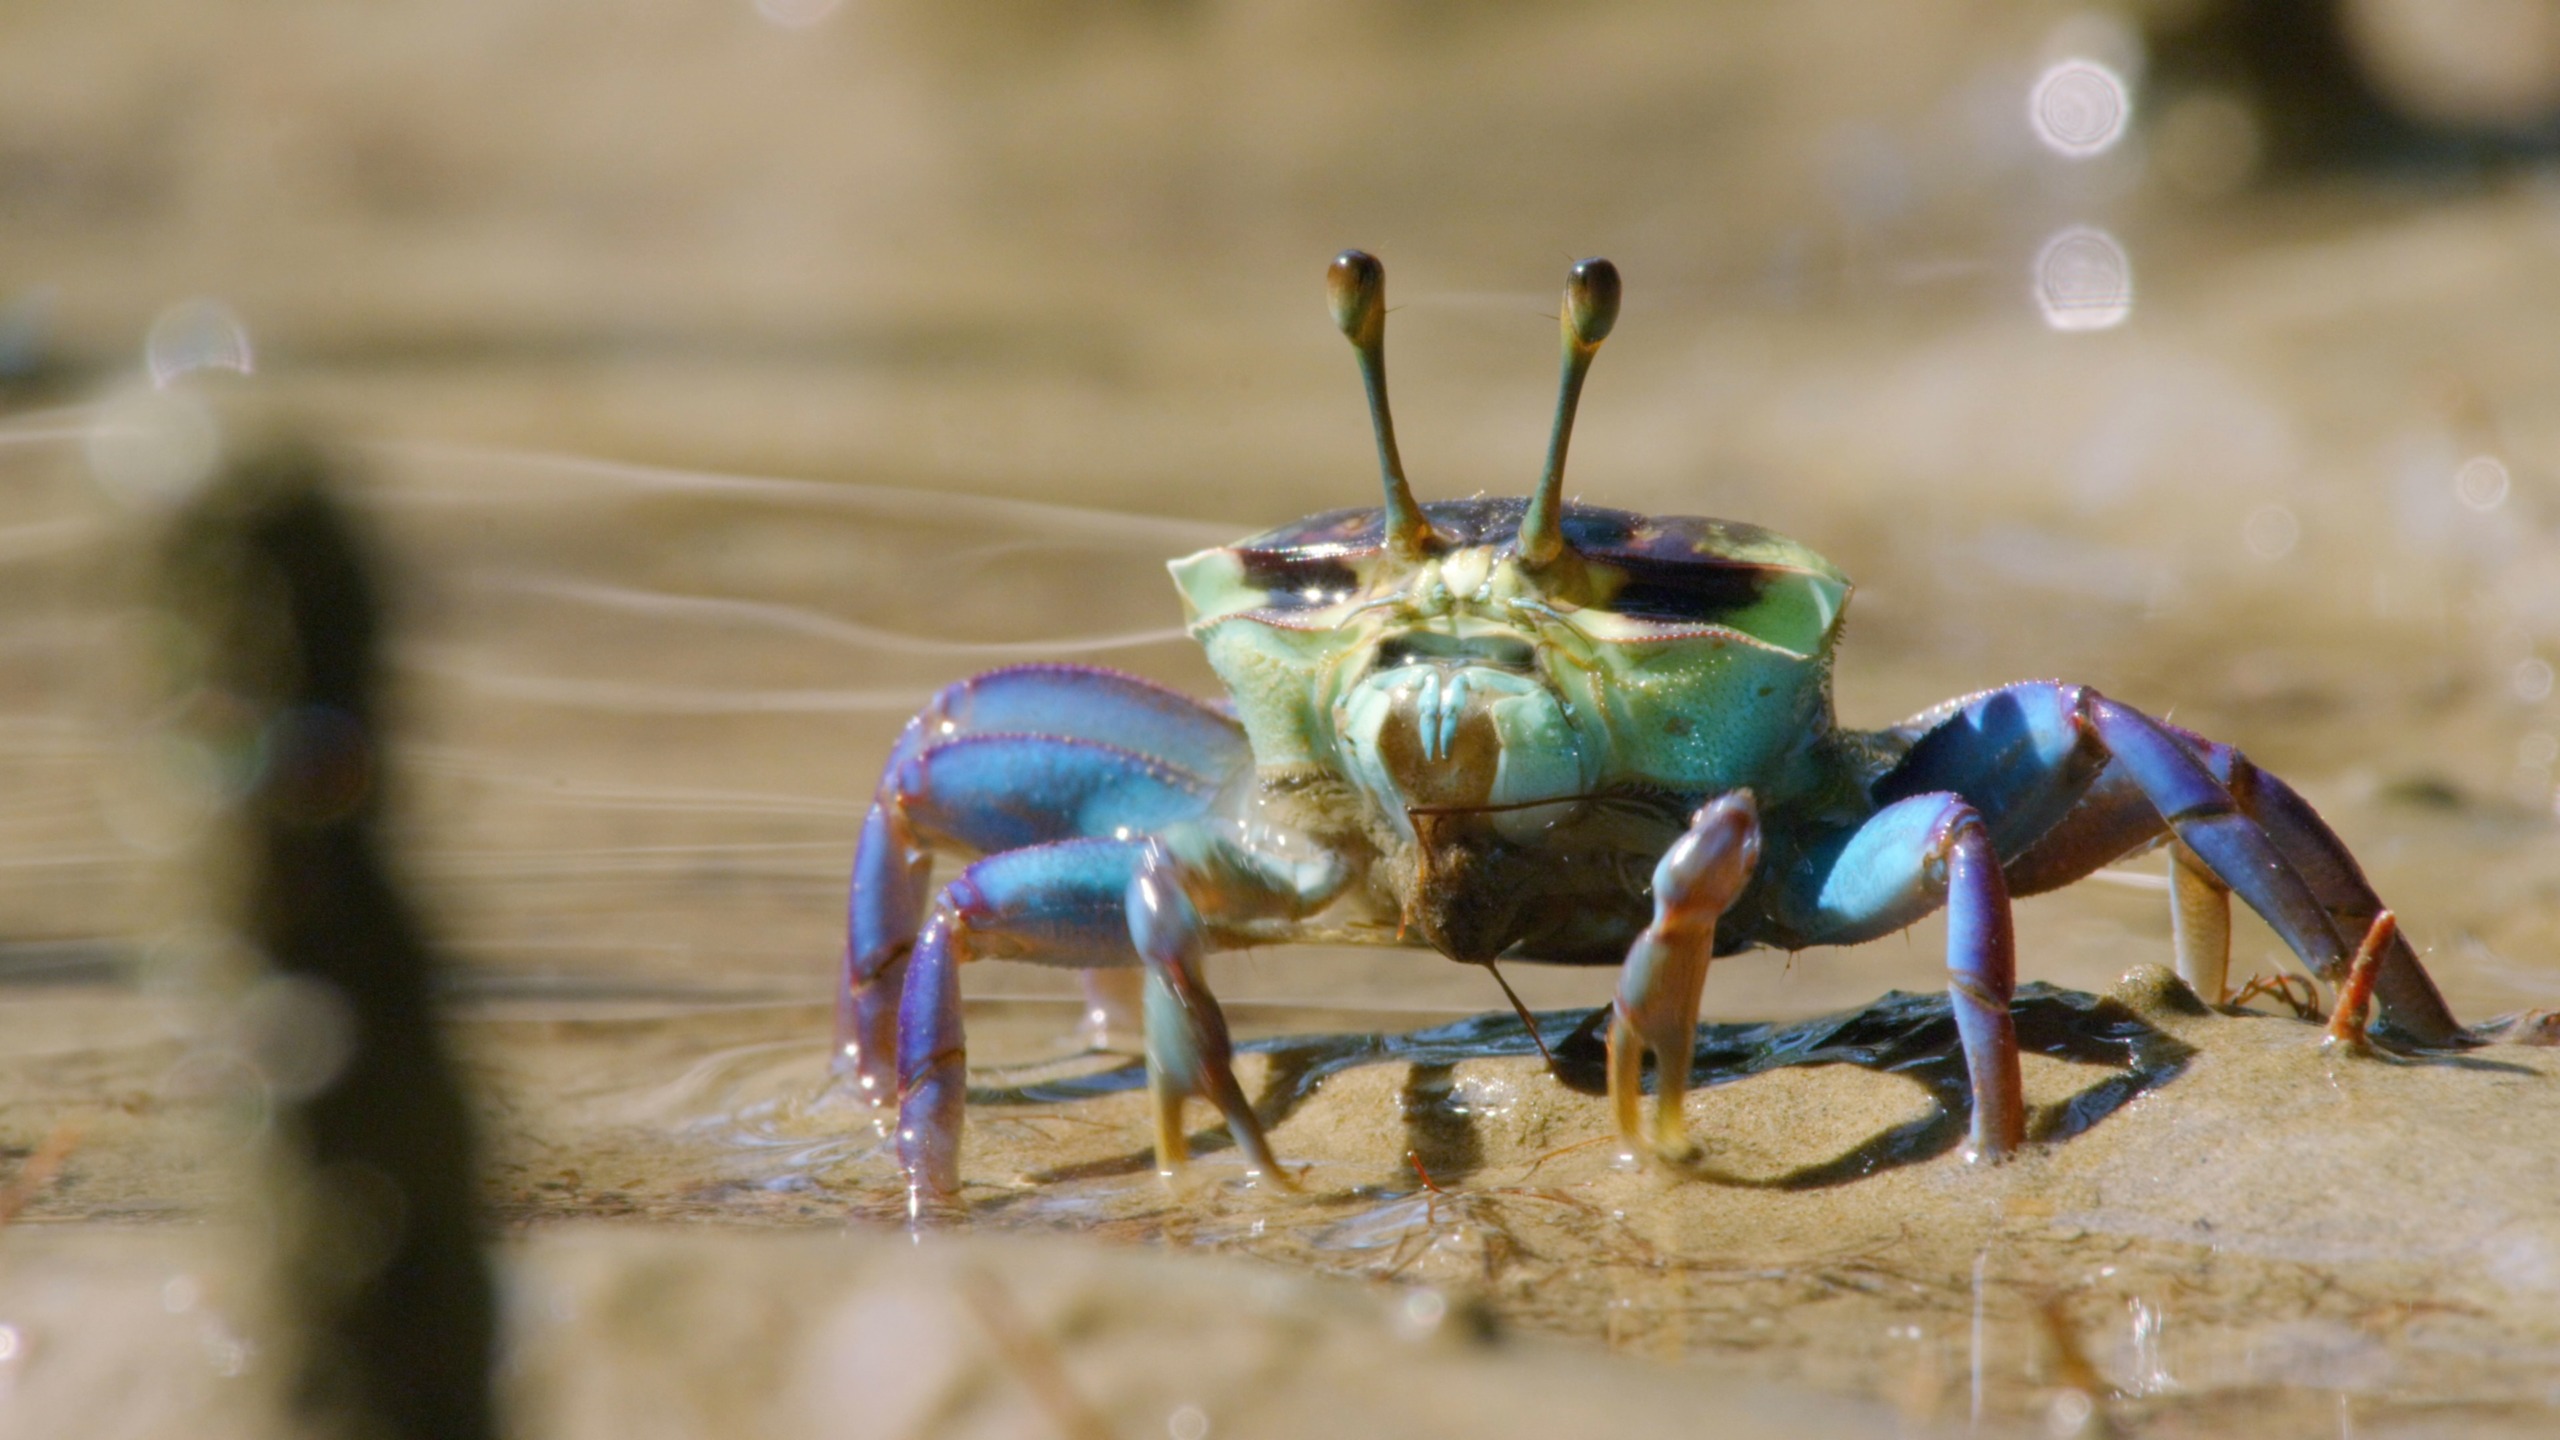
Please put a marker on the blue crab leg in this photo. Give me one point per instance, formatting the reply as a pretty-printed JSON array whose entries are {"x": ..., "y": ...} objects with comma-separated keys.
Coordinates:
[
  {"x": 1094, "y": 904},
  {"x": 2070, "y": 780},
  {"x": 1909, "y": 859},
  {"x": 1059, "y": 904},
  {"x": 2111, "y": 821},
  {"x": 1079, "y": 702},
  {"x": 2408, "y": 995},
  {"x": 1656, "y": 1007},
  {"x": 890, "y": 873},
  {"x": 1174, "y": 752}
]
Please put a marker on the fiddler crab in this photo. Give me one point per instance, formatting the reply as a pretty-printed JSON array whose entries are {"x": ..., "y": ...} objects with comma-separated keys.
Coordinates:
[{"x": 1535, "y": 730}]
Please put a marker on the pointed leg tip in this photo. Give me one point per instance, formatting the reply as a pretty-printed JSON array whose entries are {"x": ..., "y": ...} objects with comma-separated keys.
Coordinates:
[
  {"x": 933, "y": 1205},
  {"x": 1680, "y": 1153},
  {"x": 1987, "y": 1150},
  {"x": 1278, "y": 1177}
]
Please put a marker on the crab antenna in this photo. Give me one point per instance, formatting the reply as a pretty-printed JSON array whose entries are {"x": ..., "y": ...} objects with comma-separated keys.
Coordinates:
[
  {"x": 1590, "y": 309},
  {"x": 1358, "y": 286}
]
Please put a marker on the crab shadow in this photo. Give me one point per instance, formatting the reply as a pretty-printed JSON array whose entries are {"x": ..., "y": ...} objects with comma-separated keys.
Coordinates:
[{"x": 1901, "y": 1034}]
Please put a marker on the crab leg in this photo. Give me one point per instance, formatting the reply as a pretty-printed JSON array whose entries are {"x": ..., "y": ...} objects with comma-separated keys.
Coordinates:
[
  {"x": 2069, "y": 780},
  {"x": 1188, "y": 1048},
  {"x": 2408, "y": 994},
  {"x": 1047, "y": 752},
  {"x": 1656, "y": 1008},
  {"x": 1907, "y": 860},
  {"x": 1092, "y": 904},
  {"x": 1060, "y": 904},
  {"x": 2200, "y": 918}
]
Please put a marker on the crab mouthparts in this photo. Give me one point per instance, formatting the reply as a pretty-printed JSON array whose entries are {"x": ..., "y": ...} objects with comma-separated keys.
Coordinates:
[{"x": 1461, "y": 900}]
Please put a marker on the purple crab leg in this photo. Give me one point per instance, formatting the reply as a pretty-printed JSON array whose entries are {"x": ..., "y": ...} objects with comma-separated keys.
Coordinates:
[
  {"x": 2069, "y": 780},
  {"x": 991, "y": 793},
  {"x": 1907, "y": 860},
  {"x": 1656, "y": 1007},
  {"x": 1058, "y": 904},
  {"x": 1079, "y": 702},
  {"x": 2407, "y": 993},
  {"x": 890, "y": 873},
  {"x": 1091, "y": 904},
  {"x": 1045, "y": 753}
]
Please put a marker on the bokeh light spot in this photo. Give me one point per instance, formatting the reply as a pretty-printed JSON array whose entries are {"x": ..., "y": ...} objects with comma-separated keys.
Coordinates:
[
  {"x": 197, "y": 335},
  {"x": 2531, "y": 680},
  {"x": 2079, "y": 108},
  {"x": 152, "y": 448},
  {"x": 2482, "y": 482},
  {"x": 2083, "y": 280},
  {"x": 2271, "y": 532}
]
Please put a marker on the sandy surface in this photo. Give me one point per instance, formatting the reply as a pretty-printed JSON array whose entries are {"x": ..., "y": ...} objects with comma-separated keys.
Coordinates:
[{"x": 2224, "y": 1222}]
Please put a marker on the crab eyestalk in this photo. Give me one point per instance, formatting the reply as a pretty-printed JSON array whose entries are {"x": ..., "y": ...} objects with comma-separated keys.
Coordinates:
[
  {"x": 1590, "y": 310},
  {"x": 1357, "y": 284}
]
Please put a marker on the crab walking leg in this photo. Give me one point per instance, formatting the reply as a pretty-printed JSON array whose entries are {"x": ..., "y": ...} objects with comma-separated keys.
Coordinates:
[
  {"x": 890, "y": 873},
  {"x": 2200, "y": 918},
  {"x": 1059, "y": 904},
  {"x": 2408, "y": 994},
  {"x": 1188, "y": 1049},
  {"x": 2243, "y": 851},
  {"x": 991, "y": 794},
  {"x": 1068, "y": 904},
  {"x": 987, "y": 798},
  {"x": 2069, "y": 780},
  {"x": 1079, "y": 702},
  {"x": 1656, "y": 1007},
  {"x": 1911, "y": 858}
]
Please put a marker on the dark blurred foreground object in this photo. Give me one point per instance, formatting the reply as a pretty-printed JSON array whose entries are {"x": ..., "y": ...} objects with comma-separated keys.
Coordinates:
[
  {"x": 273, "y": 644},
  {"x": 2419, "y": 83}
]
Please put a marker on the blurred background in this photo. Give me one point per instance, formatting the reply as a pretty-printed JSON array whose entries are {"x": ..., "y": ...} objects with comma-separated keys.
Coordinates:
[
  {"x": 724, "y": 375},
  {"x": 719, "y": 370}
]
